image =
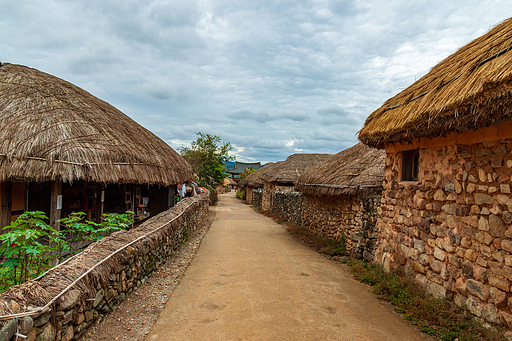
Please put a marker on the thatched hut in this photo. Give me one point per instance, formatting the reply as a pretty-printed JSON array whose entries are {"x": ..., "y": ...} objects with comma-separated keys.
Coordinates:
[
  {"x": 254, "y": 181},
  {"x": 284, "y": 174},
  {"x": 227, "y": 185},
  {"x": 340, "y": 197},
  {"x": 447, "y": 203},
  {"x": 63, "y": 150}
]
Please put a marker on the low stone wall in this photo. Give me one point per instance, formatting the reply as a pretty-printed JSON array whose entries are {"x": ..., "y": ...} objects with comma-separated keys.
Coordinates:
[
  {"x": 101, "y": 290},
  {"x": 257, "y": 196},
  {"x": 287, "y": 205},
  {"x": 332, "y": 217},
  {"x": 349, "y": 216}
]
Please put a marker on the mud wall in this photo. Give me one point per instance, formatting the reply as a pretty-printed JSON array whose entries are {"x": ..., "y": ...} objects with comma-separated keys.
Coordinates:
[{"x": 103, "y": 289}]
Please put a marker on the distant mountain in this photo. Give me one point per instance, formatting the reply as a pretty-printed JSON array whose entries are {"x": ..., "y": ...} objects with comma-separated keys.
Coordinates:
[{"x": 230, "y": 164}]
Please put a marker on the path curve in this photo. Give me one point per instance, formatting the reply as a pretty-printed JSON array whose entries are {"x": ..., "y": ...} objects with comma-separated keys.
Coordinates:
[{"x": 252, "y": 280}]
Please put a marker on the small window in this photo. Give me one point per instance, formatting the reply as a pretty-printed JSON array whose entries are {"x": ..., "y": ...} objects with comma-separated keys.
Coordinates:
[{"x": 410, "y": 163}]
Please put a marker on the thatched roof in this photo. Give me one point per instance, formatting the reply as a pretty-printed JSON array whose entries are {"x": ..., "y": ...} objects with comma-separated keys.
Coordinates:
[
  {"x": 356, "y": 170},
  {"x": 254, "y": 179},
  {"x": 52, "y": 130},
  {"x": 469, "y": 90},
  {"x": 287, "y": 172},
  {"x": 229, "y": 182}
]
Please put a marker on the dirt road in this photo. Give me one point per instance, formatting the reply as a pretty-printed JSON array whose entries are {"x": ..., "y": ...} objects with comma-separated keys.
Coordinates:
[{"x": 251, "y": 280}]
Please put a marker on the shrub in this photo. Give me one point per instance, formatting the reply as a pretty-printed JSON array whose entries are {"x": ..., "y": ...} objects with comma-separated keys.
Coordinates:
[
  {"x": 214, "y": 198},
  {"x": 240, "y": 194},
  {"x": 79, "y": 230},
  {"x": 31, "y": 246}
]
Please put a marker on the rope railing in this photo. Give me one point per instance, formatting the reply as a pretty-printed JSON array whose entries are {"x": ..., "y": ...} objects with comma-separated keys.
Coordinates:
[{"x": 39, "y": 310}]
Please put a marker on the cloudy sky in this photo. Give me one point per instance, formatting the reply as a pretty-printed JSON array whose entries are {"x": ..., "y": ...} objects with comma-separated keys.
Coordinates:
[{"x": 273, "y": 77}]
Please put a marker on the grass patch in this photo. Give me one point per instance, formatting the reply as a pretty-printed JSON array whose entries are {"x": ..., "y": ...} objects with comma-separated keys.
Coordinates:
[{"x": 439, "y": 318}]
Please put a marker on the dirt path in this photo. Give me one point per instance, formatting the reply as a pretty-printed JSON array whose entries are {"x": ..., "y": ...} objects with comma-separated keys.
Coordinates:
[
  {"x": 134, "y": 318},
  {"x": 251, "y": 280}
]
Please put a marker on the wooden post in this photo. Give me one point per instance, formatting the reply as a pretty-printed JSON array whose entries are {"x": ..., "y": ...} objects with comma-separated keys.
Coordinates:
[
  {"x": 55, "y": 209},
  {"x": 6, "y": 204},
  {"x": 99, "y": 203},
  {"x": 170, "y": 198}
]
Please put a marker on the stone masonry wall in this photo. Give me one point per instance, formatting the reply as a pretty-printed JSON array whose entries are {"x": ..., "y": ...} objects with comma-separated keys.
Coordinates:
[
  {"x": 287, "y": 205},
  {"x": 81, "y": 306},
  {"x": 266, "y": 199},
  {"x": 451, "y": 231},
  {"x": 257, "y": 196},
  {"x": 353, "y": 217}
]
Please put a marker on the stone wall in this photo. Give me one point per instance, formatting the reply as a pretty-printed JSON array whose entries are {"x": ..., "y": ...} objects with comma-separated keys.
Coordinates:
[
  {"x": 451, "y": 231},
  {"x": 101, "y": 291},
  {"x": 332, "y": 217},
  {"x": 349, "y": 216},
  {"x": 257, "y": 196},
  {"x": 287, "y": 205},
  {"x": 266, "y": 199}
]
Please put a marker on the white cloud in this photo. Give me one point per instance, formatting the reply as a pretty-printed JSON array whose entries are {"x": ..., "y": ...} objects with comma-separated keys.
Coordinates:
[{"x": 272, "y": 77}]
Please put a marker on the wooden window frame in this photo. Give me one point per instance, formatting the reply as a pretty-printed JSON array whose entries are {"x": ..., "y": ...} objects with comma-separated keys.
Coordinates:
[{"x": 410, "y": 165}]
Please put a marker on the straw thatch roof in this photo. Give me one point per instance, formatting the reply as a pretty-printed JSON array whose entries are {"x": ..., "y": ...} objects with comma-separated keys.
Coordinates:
[
  {"x": 254, "y": 179},
  {"x": 356, "y": 170},
  {"x": 287, "y": 172},
  {"x": 469, "y": 90},
  {"x": 52, "y": 130},
  {"x": 229, "y": 182}
]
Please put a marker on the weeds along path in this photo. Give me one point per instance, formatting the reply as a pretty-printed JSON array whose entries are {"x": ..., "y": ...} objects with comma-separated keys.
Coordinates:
[{"x": 252, "y": 280}]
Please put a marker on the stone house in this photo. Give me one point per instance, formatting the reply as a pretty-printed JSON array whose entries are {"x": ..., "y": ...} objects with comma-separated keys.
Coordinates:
[
  {"x": 446, "y": 211},
  {"x": 340, "y": 197},
  {"x": 63, "y": 150},
  {"x": 284, "y": 174},
  {"x": 254, "y": 181}
]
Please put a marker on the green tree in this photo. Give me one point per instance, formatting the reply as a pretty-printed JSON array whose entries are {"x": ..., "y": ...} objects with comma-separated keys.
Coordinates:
[
  {"x": 207, "y": 156},
  {"x": 246, "y": 172}
]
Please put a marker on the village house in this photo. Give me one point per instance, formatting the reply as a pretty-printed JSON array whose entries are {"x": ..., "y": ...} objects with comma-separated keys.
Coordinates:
[
  {"x": 240, "y": 167},
  {"x": 446, "y": 211},
  {"x": 254, "y": 181},
  {"x": 282, "y": 178},
  {"x": 63, "y": 150},
  {"x": 340, "y": 197},
  {"x": 227, "y": 185}
]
